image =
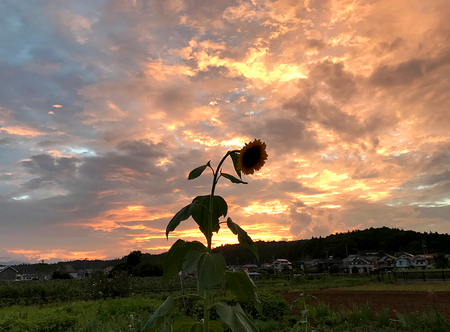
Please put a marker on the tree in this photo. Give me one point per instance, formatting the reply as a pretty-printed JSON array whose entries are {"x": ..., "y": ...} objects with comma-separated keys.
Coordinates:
[
  {"x": 441, "y": 261},
  {"x": 134, "y": 258}
]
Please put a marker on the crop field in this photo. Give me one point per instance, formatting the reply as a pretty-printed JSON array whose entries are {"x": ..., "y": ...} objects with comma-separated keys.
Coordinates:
[{"x": 333, "y": 303}]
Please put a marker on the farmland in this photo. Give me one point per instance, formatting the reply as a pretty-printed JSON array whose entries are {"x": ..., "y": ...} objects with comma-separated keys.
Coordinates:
[{"x": 342, "y": 304}]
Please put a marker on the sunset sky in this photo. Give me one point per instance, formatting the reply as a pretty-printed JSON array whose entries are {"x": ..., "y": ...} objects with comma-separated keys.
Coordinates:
[{"x": 106, "y": 106}]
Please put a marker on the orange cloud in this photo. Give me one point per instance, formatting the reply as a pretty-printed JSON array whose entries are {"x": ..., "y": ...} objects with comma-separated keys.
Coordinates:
[{"x": 22, "y": 130}]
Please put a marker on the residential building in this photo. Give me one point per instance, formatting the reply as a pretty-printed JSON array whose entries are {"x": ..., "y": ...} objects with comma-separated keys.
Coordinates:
[
  {"x": 8, "y": 273},
  {"x": 281, "y": 264},
  {"x": 386, "y": 263},
  {"x": 360, "y": 264}
]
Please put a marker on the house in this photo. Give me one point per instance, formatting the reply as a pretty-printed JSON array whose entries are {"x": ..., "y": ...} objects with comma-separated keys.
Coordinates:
[
  {"x": 404, "y": 260},
  {"x": 386, "y": 263},
  {"x": 423, "y": 261},
  {"x": 313, "y": 265},
  {"x": 360, "y": 264},
  {"x": 71, "y": 271},
  {"x": 8, "y": 273},
  {"x": 249, "y": 267},
  {"x": 266, "y": 266},
  {"x": 281, "y": 264}
]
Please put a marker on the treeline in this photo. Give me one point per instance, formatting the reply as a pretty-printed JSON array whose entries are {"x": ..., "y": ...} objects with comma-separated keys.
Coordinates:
[{"x": 380, "y": 240}]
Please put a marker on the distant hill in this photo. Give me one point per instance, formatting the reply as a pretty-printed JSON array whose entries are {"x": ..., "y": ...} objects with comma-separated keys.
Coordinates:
[
  {"x": 387, "y": 240},
  {"x": 380, "y": 240}
]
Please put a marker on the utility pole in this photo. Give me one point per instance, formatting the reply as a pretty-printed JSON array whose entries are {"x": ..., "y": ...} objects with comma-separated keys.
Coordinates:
[
  {"x": 328, "y": 268},
  {"x": 424, "y": 248},
  {"x": 346, "y": 251},
  {"x": 273, "y": 262}
]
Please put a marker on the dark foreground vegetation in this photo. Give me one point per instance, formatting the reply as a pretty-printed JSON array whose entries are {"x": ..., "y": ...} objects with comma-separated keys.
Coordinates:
[{"x": 124, "y": 304}]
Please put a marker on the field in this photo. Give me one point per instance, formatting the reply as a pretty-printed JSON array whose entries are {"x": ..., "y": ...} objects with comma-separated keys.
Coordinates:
[{"x": 334, "y": 304}]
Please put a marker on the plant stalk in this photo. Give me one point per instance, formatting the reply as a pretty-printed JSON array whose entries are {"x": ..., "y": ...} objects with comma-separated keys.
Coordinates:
[{"x": 216, "y": 176}]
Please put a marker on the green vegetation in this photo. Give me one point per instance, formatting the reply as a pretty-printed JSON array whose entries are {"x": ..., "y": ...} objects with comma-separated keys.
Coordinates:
[
  {"x": 409, "y": 286},
  {"x": 42, "y": 292},
  {"x": 303, "y": 284},
  {"x": 130, "y": 314},
  {"x": 127, "y": 314}
]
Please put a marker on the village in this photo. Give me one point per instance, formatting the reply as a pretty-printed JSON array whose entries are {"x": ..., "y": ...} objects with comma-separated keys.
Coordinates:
[{"x": 353, "y": 264}]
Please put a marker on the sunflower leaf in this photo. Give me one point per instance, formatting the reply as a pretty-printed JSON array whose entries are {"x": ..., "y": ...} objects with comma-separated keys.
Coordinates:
[
  {"x": 235, "y": 318},
  {"x": 187, "y": 324},
  {"x": 200, "y": 212},
  {"x": 156, "y": 320},
  {"x": 235, "y": 158},
  {"x": 173, "y": 261},
  {"x": 181, "y": 215},
  {"x": 242, "y": 286},
  {"x": 210, "y": 268},
  {"x": 243, "y": 238},
  {"x": 195, "y": 173},
  {"x": 232, "y": 178}
]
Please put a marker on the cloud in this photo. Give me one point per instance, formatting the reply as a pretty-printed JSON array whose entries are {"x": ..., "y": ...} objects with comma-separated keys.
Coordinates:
[{"x": 105, "y": 108}]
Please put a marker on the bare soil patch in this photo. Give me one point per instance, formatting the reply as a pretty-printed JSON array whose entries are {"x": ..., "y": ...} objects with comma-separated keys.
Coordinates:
[{"x": 422, "y": 302}]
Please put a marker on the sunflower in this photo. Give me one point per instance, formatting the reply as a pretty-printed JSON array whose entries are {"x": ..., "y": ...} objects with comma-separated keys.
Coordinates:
[{"x": 252, "y": 157}]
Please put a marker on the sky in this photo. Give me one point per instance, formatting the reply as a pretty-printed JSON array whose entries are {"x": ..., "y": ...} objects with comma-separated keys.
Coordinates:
[{"x": 106, "y": 106}]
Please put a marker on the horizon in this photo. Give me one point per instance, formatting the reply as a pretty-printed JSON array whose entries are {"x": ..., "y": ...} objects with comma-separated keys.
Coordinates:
[
  {"x": 53, "y": 261},
  {"x": 106, "y": 107}
]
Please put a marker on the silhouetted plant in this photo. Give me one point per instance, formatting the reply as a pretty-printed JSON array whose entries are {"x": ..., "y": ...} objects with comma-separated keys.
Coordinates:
[{"x": 211, "y": 267}]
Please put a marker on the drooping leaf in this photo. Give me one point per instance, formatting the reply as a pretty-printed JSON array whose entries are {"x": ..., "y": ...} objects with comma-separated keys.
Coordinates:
[
  {"x": 235, "y": 158},
  {"x": 242, "y": 286},
  {"x": 181, "y": 215},
  {"x": 156, "y": 320},
  {"x": 243, "y": 238},
  {"x": 232, "y": 178},
  {"x": 200, "y": 212},
  {"x": 195, "y": 173},
  {"x": 235, "y": 318},
  {"x": 173, "y": 261},
  {"x": 210, "y": 268},
  {"x": 187, "y": 324}
]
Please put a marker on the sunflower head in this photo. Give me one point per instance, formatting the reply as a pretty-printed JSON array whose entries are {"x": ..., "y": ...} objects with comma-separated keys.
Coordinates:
[{"x": 252, "y": 157}]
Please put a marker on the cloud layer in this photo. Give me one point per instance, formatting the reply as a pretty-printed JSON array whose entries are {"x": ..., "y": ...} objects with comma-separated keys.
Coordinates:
[{"x": 105, "y": 108}]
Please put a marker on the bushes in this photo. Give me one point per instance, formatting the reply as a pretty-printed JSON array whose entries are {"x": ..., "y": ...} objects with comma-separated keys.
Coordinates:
[
  {"x": 103, "y": 315},
  {"x": 40, "y": 292},
  {"x": 100, "y": 286},
  {"x": 274, "y": 306}
]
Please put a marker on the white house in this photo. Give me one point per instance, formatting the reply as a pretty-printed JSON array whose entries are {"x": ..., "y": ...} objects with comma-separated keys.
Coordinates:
[
  {"x": 423, "y": 261},
  {"x": 404, "y": 260},
  {"x": 364, "y": 265}
]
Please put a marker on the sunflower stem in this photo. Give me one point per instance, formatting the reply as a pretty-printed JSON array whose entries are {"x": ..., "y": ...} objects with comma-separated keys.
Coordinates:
[{"x": 216, "y": 176}]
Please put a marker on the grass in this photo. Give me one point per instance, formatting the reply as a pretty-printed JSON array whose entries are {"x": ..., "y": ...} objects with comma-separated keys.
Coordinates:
[
  {"x": 130, "y": 314},
  {"x": 410, "y": 286},
  {"x": 127, "y": 314},
  {"x": 302, "y": 284}
]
